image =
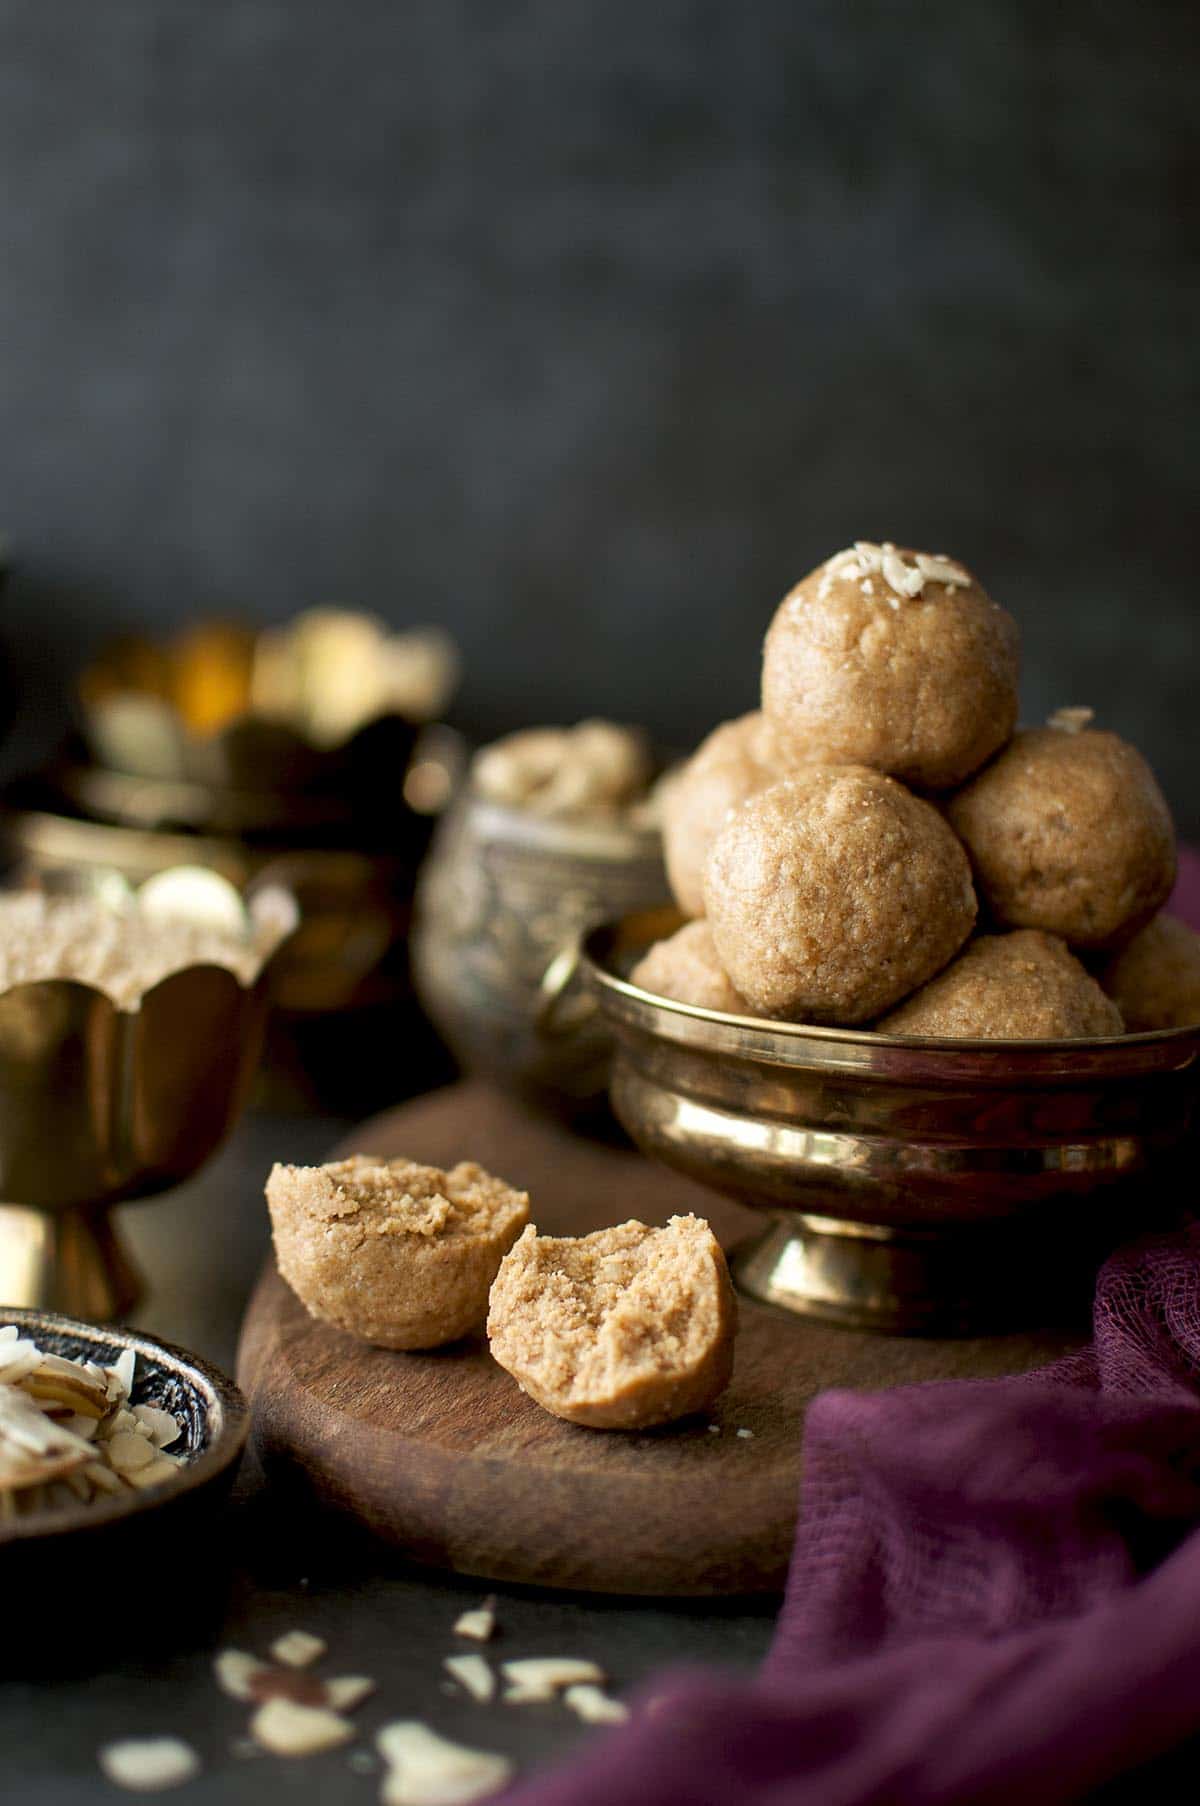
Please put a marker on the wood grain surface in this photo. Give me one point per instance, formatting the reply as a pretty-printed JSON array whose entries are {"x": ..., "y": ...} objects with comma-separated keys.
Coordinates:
[{"x": 443, "y": 1455}]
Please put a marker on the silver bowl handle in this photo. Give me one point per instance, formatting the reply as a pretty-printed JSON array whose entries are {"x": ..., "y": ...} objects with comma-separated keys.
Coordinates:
[{"x": 560, "y": 1009}]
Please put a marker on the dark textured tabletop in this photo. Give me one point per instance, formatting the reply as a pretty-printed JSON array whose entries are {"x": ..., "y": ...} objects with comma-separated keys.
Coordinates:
[{"x": 201, "y": 1248}]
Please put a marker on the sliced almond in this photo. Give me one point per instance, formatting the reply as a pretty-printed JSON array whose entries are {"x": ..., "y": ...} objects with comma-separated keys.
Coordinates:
[
  {"x": 149, "y": 1764},
  {"x": 159, "y": 1425},
  {"x": 473, "y": 1673},
  {"x": 156, "y": 1470},
  {"x": 427, "y": 1770},
  {"x": 539, "y": 1678},
  {"x": 18, "y": 1358},
  {"x": 67, "y": 1384},
  {"x": 594, "y": 1705},
  {"x": 234, "y": 1670},
  {"x": 122, "y": 1374},
  {"x": 287, "y": 1729},
  {"x": 127, "y": 1451},
  {"x": 33, "y": 1448},
  {"x": 297, "y": 1648},
  {"x": 1071, "y": 721},
  {"x": 479, "y": 1623},
  {"x": 346, "y": 1691},
  {"x": 905, "y": 579}
]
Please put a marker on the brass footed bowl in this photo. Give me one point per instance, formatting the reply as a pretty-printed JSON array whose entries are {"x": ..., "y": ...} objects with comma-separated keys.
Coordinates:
[
  {"x": 102, "y": 1103},
  {"x": 910, "y": 1185}
]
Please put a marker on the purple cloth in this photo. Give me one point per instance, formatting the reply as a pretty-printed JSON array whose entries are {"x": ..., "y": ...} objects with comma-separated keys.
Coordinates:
[{"x": 995, "y": 1590}]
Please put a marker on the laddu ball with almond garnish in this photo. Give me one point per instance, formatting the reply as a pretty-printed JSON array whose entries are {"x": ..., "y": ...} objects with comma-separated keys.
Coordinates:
[{"x": 894, "y": 659}]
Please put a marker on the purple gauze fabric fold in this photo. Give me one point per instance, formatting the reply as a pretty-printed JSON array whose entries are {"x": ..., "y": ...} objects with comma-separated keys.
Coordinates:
[{"x": 995, "y": 1589}]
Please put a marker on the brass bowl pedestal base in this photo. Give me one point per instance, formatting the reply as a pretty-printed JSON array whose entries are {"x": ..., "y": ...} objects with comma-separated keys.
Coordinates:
[
  {"x": 869, "y": 1277},
  {"x": 69, "y": 1261}
]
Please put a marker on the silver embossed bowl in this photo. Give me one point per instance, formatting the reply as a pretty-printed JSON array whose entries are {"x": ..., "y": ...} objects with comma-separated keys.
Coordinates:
[{"x": 501, "y": 903}]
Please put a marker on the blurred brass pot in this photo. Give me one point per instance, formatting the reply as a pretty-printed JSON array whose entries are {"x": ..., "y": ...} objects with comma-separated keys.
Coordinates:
[
  {"x": 909, "y": 1184},
  {"x": 503, "y": 896}
]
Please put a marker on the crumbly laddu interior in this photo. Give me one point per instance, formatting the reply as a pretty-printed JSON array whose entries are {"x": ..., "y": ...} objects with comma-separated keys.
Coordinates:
[
  {"x": 401, "y": 1197},
  {"x": 123, "y": 953},
  {"x": 625, "y": 1327}
]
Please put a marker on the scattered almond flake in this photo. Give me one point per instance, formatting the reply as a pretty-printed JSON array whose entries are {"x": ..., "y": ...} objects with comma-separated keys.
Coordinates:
[
  {"x": 297, "y": 1648},
  {"x": 160, "y": 1426},
  {"x": 149, "y": 1764},
  {"x": 473, "y": 1673},
  {"x": 538, "y": 1678},
  {"x": 479, "y": 1623},
  {"x": 294, "y": 1684},
  {"x": 1071, "y": 721},
  {"x": 714, "y": 1429},
  {"x": 346, "y": 1691},
  {"x": 287, "y": 1729},
  {"x": 594, "y": 1705},
  {"x": 746, "y": 1435},
  {"x": 427, "y": 1770},
  {"x": 234, "y": 1670}
]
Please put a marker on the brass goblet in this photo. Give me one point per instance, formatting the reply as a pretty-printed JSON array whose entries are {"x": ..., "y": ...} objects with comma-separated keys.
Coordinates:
[
  {"x": 101, "y": 1104},
  {"x": 911, "y": 1185}
]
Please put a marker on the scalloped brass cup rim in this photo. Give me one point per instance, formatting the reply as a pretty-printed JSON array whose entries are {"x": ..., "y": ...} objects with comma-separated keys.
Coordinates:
[
  {"x": 611, "y": 945},
  {"x": 225, "y": 1411}
]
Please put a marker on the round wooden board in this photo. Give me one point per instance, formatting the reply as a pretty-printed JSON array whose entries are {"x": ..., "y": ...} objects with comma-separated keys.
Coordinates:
[{"x": 443, "y": 1455}]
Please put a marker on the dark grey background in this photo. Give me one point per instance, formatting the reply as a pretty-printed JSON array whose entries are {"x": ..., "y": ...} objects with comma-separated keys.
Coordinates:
[{"x": 586, "y": 326}]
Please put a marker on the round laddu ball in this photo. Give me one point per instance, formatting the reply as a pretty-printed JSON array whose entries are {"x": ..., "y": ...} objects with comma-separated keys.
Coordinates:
[
  {"x": 894, "y": 659},
  {"x": 686, "y": 969},
  {"x": 620, "y": 1329},
  {"x": 734, "y": 762},
  {"x": 1024, "y": 986},
  {"x": 399, "y": 1254},
  {"x": 834, "y": 893},
  {"x": 1068, "y": 831},
  {"x": 1155, "y": 980}
]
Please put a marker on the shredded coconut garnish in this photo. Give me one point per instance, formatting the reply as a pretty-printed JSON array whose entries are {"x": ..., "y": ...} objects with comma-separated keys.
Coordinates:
[{"x": 865, "y": 560}]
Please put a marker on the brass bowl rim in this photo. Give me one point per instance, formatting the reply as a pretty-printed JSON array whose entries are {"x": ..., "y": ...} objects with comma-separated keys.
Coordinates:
[
  {"x": 892, "y": 1056},
  {"x": 226, "y": 1413}
]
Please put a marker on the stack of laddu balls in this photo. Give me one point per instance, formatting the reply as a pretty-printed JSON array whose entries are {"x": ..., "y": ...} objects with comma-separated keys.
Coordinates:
[{"x": 877, "y": 846}]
